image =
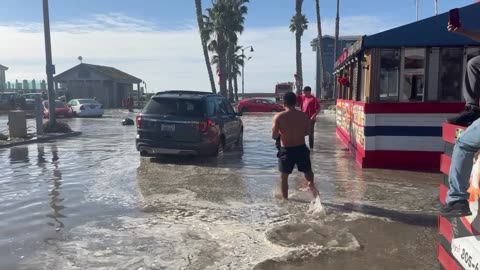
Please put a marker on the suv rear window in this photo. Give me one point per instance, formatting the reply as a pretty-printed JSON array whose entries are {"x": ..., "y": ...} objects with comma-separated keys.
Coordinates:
[{"x": 174, "y": 107}]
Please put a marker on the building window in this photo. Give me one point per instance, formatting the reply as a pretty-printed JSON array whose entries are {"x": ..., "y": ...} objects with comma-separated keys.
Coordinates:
[
  {"x": 413, "y": 87},
  {"x": 389, "y": 74},
  {"x": 450, "y": 74}
]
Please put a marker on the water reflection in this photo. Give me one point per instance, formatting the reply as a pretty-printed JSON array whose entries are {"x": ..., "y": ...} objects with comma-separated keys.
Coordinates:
[
  {"x": 55, "y": 192},
  {"x": 19, "y": 155}
]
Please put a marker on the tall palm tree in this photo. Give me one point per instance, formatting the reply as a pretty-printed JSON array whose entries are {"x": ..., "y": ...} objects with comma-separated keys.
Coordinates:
[
  {"x": 320, "y": 68},
  {"x": 223, "y": 23},
  {"x": 198, "y": 6},
  {"x": 236, "y": 65},
  {"x": 298, "y": 25}
]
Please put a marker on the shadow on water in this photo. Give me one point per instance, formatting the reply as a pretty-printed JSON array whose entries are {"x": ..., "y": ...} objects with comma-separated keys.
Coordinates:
[
  {"x": 420, "y": 219},
  {"x": 229, "y": 160}
]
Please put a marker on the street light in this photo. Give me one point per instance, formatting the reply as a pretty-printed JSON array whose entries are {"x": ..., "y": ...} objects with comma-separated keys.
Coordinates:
[{"x": 243, "y": 68}]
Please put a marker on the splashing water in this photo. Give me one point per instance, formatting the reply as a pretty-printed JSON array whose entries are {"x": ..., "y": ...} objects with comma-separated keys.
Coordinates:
[{"x": 316, "y": 209}]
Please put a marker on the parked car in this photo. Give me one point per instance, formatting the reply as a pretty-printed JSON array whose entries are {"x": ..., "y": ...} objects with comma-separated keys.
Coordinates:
[
  {"x": 9, "y": 98},
  {"x": 30, "y": 99},
  {"x": 258, "y": 105},
  {"x": 187, "y": 123},
  {"x": 86, "y": 107},
  {"x": 61, "y": 109}
]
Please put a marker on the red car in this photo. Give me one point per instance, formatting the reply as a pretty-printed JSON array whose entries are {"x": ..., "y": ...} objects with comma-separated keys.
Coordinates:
[
  {"x": 61, "y": 109},
  {"x": 259, "y": 105}
]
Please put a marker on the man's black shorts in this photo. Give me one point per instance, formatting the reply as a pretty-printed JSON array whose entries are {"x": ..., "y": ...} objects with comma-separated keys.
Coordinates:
[{"x": 288, "y": 157}]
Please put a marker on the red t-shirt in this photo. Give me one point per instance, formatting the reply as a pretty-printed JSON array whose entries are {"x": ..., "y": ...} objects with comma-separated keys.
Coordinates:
[{"x": 309, "y": 105}]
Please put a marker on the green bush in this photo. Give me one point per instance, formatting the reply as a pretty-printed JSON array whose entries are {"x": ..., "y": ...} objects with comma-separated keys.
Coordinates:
[{"x": 59, "y": 127}]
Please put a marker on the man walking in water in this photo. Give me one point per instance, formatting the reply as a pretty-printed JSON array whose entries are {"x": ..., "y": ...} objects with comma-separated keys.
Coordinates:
[
  {"x": 291, "y": 127},
  {"x": 311, "y": 107}
]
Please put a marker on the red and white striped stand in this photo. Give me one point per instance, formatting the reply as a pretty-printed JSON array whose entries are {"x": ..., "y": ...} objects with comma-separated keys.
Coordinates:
[{"x": 459, "y": 244}]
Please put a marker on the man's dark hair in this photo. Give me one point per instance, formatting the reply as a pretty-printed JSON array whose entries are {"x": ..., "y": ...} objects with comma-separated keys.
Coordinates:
[
  {"x": 307, "y": 89},
  {"x": 290, "y": 99}
]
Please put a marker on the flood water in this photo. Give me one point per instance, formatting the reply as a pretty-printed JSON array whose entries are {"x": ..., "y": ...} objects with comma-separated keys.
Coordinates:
[{"x": 91, "y": 202}]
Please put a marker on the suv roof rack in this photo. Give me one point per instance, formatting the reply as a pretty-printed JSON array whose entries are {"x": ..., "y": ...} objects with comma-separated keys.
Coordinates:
[{"x": 184, "y": 92}]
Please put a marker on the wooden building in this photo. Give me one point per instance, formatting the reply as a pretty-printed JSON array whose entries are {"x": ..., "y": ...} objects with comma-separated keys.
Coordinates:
[{"x": 107, "y": 84}]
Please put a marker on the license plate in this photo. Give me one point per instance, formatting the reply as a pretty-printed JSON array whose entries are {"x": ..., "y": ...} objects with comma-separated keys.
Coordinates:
[{"x": 169, "y": 128}]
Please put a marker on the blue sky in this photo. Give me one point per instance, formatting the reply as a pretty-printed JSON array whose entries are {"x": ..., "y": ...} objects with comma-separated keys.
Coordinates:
[{"x": 157, "y": 40}]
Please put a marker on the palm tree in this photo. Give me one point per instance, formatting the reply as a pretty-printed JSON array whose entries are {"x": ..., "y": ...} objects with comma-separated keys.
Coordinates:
[
  {"x": 235, "y": 65},
  {"x": 320, "y": 72},
  {"x": 198, "y": 5},
  {"x": 223, "y": 23},
  {"x": 298, "y": 25}
]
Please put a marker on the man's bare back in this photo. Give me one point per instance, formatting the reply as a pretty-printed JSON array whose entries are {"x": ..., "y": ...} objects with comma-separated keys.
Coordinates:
[{"x": 293, "y": 126}]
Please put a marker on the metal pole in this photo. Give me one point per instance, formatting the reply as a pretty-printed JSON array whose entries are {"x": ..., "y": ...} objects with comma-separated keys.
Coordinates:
[
  {"x": 335, "y": 47},
  {"x": 436, "y": 7},
  {"x": 243, "y": 75},
  {"x": 417, "y": 5},
  {"x": 50, "y": 68}
]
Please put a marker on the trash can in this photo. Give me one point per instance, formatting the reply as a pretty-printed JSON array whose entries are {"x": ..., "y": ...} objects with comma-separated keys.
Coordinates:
[{"x": 17, "y": 124}]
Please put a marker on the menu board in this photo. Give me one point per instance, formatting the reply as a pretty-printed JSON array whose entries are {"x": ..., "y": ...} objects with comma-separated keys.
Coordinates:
[{"x": 351, "y": 119}]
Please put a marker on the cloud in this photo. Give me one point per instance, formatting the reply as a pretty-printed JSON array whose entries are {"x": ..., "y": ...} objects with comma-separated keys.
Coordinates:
[{"x": 164, "y": 58}]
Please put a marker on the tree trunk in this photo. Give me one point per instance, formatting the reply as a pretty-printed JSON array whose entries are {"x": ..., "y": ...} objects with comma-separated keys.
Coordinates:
[
  {"x": 235, "y": 84},
  {"x": 298, "y": 37},
  {"x": 222, "y": 63},
  {"x": 198, "y": 5},
  {"x": 230, "y": 72},
  {"x": 320, "y": 68}
]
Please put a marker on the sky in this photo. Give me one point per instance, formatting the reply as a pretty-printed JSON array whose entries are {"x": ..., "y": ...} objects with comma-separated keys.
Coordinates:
[{"x": 158, "y": 40}]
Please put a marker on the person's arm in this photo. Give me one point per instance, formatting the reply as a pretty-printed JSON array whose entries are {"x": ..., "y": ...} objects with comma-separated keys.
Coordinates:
[
  {"x": 275, "y": 128},
  {"x": 317, "y": 110},
  {"x": 471, "y": 34}
]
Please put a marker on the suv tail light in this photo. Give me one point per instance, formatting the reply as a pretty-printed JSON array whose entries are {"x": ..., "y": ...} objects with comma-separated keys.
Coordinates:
[
  {"x": 139, "y": 121},
  {"x": 203, "y": 126},
  {"x": 82, "y": 108}
]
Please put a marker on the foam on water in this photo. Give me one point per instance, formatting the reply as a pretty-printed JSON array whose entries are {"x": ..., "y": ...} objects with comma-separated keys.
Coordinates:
[{"x": 316, "y": 209}]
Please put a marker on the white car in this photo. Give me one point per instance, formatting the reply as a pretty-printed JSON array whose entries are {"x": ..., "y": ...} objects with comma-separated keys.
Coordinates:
[{"x": 86, "y": 107}]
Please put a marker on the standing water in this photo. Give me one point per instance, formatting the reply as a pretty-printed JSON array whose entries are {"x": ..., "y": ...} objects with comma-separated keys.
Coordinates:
[{"x": 92, "y": 203}]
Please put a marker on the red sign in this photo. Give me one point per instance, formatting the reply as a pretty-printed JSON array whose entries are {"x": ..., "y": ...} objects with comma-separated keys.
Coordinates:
[{"x": 343, "y": 57}]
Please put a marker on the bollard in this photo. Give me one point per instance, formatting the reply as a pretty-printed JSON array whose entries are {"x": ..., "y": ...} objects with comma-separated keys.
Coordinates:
[{"x": 39, "y": 115}]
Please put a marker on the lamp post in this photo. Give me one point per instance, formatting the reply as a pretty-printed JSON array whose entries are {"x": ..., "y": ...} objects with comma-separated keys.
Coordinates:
[
  {"x": 243, "y": 69},
  {"x": 50, "y": 67}
]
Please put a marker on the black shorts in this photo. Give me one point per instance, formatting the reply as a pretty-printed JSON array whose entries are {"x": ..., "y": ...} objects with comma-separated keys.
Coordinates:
[{"x": 288, "y": 157}]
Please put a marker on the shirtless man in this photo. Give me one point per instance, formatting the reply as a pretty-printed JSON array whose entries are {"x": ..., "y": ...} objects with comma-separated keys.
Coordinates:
[{"x": 291, "y": 127}]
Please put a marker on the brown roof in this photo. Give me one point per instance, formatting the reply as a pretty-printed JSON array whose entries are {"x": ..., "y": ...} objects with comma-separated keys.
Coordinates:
[{"x": 111, "y": 72}]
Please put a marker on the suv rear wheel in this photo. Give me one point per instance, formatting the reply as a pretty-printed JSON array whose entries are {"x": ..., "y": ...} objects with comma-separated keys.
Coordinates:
[{"x": 239, "y": 143}]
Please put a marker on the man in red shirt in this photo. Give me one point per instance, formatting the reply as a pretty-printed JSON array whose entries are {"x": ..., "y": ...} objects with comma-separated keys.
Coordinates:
[{"x": 309, "y": 105}]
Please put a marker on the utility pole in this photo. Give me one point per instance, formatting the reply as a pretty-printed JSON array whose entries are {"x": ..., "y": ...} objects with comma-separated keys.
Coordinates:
[
  {"x": 243, "y": 69},
  {"x": 335, "y": 47},
  {"x": 436, "y": 7},
  {"x": 49, "y": 67}
]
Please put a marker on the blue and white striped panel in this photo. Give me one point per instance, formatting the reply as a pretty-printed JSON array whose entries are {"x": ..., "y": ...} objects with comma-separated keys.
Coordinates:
[{"x": 404, "y": 132}]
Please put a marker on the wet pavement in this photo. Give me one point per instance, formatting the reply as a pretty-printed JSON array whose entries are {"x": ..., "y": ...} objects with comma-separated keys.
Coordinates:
[{"x": 91, "y": 202}]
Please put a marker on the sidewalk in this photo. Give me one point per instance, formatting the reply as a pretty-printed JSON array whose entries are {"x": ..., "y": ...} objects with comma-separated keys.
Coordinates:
[{"x": 38, "y": 139}]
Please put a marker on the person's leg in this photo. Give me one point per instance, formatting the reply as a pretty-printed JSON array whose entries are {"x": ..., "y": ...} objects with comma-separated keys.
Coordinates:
[
  {"x": 471, "y": 82},
  {"x": 285, "y": 166},
  {"x": 309, "y": 176},
  {"x": 304, "y": 165},
  {"x": 311, "y": 136},
  {"x": 284, "y": 185},
  {"x": 471, "y": 94},
  {"x": 460, "y": 169}
]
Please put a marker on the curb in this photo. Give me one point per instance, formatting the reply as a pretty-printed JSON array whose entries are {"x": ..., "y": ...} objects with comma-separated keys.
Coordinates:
[{"x": 44, "y": 138}]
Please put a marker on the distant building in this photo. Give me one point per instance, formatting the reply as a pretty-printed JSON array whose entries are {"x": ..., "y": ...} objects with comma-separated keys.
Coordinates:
[
  {"x": 3, "y": 77},
  {"x": 328, "y": 43},
  {"x": 109, "y": 85}
]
